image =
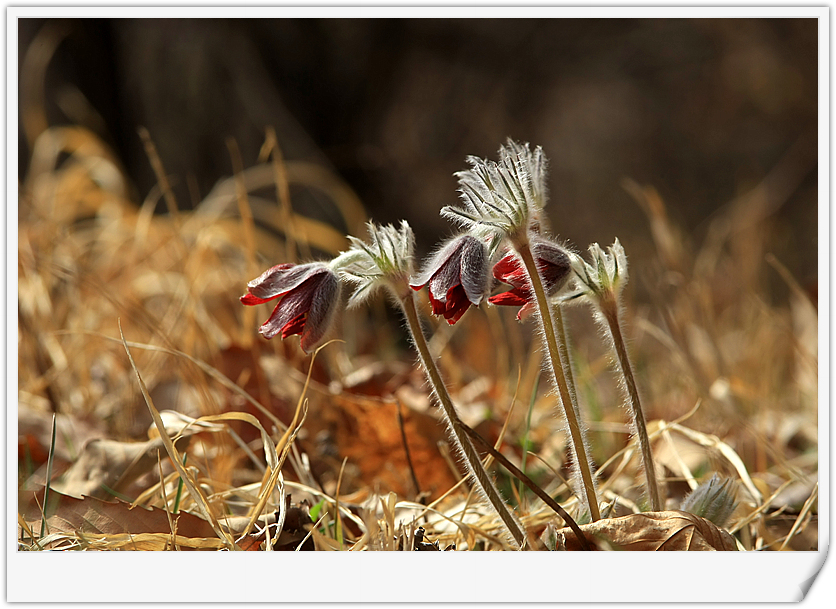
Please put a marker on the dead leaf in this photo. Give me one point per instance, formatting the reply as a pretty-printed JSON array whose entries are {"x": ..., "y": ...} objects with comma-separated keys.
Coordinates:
[
  {"x": 108, "y": 464},
  {"x": 652, "y": 531},
  {"x": 92, "y": 516},
  {"x": 366, "y": 430}
]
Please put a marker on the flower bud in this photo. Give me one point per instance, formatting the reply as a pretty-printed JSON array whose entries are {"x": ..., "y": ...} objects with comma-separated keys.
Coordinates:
[{"x": 714, "y": 500}]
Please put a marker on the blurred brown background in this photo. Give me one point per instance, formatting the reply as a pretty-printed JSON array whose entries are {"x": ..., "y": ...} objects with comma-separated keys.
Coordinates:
[{"x": 703, "y": 110}]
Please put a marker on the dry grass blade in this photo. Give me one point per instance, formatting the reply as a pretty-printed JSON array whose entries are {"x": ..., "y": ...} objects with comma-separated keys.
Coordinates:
[
  {"x": 273, "y": 475},
  {"x": 165, "y": 503},
  {"x": 316, "y": 526},
  {"x": 271, "y": 149},
  {"x": 159, "y": 171},
  {"x": 727, "y": 451},
  {"x": 802, "y": 515},
  {"x": 149, "y": 542},
  {"x": 213, "y": 372},
  {"x": 197, "y": 494},
  {"x": 269, "y": 485}
]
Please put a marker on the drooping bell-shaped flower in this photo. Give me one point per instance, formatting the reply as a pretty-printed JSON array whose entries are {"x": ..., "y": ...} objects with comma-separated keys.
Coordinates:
[
  {"x": 309, "y": 296},
  {"x": 457, "y": 277},
  {"x": 554, "y": 264}
]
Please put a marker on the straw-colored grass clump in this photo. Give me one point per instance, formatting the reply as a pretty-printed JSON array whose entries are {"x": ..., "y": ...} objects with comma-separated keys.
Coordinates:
[{"x": 126, "y": 316}]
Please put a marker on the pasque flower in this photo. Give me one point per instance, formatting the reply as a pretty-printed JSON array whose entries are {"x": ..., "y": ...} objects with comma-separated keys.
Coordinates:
[
  {"x": 457, "y": 277},
  {"x": 309, "y": 296},
  {"x": 554, "y": 265},
  {"x": 606, "y": 276},
  {"x": 505, "y": 200},
  {"x": 714, "y": 500}
]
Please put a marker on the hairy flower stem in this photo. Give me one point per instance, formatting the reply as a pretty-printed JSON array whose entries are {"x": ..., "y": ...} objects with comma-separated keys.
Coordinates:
[
  {"x": 563, "y": 345},
  {"x": 461, "y": 440},
  {"x": 609, "y": 310},
  {"x": 558, "y": 366}
]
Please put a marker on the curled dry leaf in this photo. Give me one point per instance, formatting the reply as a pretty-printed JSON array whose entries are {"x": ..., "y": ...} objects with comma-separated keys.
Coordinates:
[
  {"x": 94, "y": 516},
  {"x": 651, "y": 531},
  {"x": 179, "y": 423},
  {"x": 107, "y": 466}
]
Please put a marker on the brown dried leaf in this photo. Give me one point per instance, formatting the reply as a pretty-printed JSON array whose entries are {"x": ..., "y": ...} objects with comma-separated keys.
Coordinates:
[
  {"x": 91, "y": 515},
  {"x": 367, "y": 431},
  {"x": 108, "y": 464},
  {"x": 652, "y": 531}
]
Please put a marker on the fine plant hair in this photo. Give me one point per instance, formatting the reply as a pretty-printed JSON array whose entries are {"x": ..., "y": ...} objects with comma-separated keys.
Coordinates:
[
  {"x": 458, "y": 436},
  {"x": 601, "y": 283},
  {"x": 561, "y": 387},
  {"x": 562, "y": 336}
]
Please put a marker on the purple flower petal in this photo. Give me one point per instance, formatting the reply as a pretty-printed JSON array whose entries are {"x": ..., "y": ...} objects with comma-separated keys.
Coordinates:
[
  {"x": 282, "y": 278},
  {"x": 294, "y": 303},
  {"x": 438, "y": 259},
  {"x": 321, "y": 311},
  {"x": 446, "y": 277},
  {"x": 474, "y": 269}
]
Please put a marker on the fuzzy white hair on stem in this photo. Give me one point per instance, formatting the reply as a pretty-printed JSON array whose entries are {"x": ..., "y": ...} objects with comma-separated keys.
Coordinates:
[{"x": 601, "y": 283}]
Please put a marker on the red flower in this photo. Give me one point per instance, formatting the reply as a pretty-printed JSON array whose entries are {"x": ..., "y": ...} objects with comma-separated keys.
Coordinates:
[
  {"x": 457, "y": 277},
  {"x": 554, "y": 266},
  {"x": 309, "y": 294}
]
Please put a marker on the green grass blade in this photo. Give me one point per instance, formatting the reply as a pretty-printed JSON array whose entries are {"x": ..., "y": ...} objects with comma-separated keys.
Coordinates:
[{"x": 49, "y": 473}]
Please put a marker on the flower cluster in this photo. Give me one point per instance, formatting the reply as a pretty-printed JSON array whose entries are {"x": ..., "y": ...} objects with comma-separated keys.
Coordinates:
[
  {"x": 500, "y": 200},
  {"x": 502, "y": 240}
]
